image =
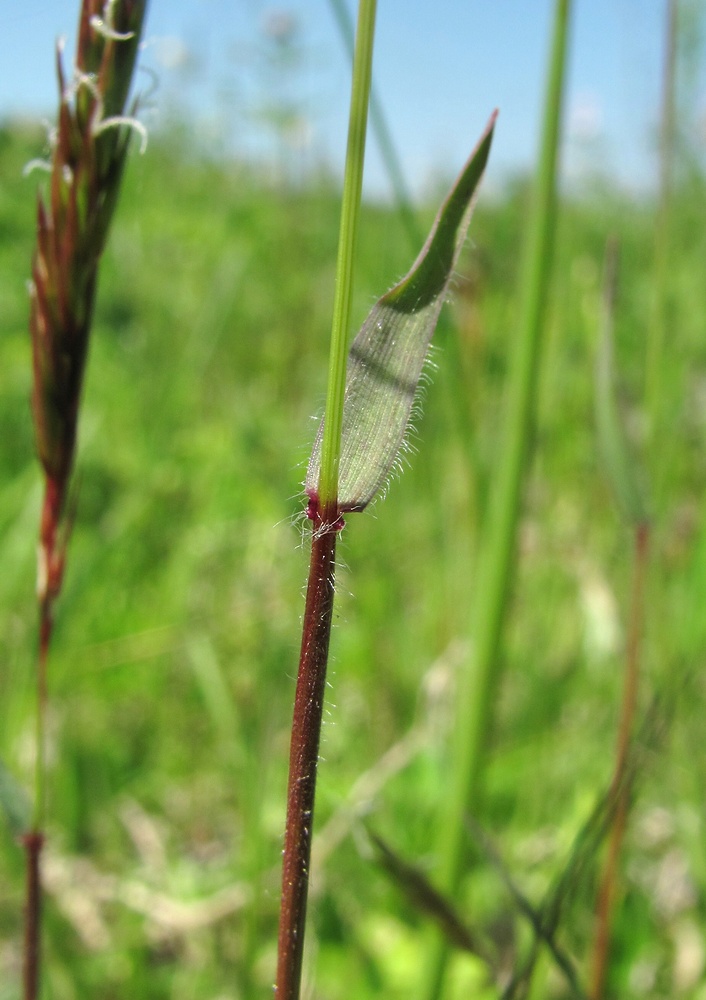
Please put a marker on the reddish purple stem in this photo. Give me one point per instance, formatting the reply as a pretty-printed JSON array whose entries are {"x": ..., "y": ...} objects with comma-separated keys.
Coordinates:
[
  {"x": 304, "y": 751},
  {"x": 620, "y": 785},
  {"x": 33, "y": 843}
]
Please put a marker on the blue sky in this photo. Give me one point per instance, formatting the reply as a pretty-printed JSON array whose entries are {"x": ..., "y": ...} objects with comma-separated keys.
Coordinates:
[{"x": 441, "y": 66}]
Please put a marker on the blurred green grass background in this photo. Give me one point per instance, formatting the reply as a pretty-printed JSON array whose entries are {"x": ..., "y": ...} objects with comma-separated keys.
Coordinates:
[{"x": 173, "y": 665}]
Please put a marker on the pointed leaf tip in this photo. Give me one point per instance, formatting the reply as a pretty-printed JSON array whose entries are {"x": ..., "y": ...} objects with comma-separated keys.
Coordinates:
[{"x": 386, "y": 358}]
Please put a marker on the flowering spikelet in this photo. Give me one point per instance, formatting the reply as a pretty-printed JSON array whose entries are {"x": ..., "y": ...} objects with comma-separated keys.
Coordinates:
[{"x": 88, "y": 157}]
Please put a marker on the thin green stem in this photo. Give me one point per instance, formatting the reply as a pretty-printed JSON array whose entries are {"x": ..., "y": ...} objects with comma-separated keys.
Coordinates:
[
  {"x": 478, "y": 684},
  {"x": 350, "y": 214},
  {"x": 318, "y": 613},
  {"x": 655, "y": 343},
  {"x": 383, "y": 135}
]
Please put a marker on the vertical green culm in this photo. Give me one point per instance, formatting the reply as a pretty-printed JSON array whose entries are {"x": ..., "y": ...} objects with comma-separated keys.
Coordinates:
[{"x": 318, "y": 613}]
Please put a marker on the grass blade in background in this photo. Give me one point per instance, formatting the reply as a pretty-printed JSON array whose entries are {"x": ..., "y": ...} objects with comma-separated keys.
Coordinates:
[
  {"x": 658, "y": 320},
  {"x": 479, "y": 683},
  {"x": 88, "y": 159},
  {"x": 620, "y": 468}
]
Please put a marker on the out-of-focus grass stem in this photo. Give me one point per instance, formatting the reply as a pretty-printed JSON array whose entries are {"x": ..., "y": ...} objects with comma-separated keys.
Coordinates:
[
  {"x": 478, "y": 684},
  {"x": 620, "y": 786},
  {"x": 621, "y": 469},
  {"x": 88, "y": 159},
  {"x": 658, "y": 320}
]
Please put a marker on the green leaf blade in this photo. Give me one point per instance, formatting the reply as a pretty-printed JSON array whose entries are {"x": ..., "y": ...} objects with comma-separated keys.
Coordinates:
[{"x": 386, "y": 358}]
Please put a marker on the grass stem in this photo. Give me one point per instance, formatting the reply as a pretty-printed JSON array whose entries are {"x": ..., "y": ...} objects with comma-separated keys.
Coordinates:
[
  {"x": 480, "y": 682},
  {"x": 350, "y": 215},
  {"x": 318, "y": 612},
  {"x": 620, "y": 787},
  {"x": 655, "y": 343},
  {"x": 88, "y": 159},
  {"x": 304, "y": 755},
  {"x": 33, "y": 842},
  {"x": 381, "y": 129}
]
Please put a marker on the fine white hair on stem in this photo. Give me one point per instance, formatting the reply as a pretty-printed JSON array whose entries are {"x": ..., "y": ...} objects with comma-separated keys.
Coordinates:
[
  {"x": 52, "y": 137},
  {"x": 101, "y": 28},
  {"x": 116, "y": 121},
  {"x": 105, "y": 25},
  {"x": 36, "y": 164},
  {"x": 87, "y": 80},
  {"x": 99, "y": 123},
  {"x": 147, "y": 95},
  {"x": 299, "y": 522}
]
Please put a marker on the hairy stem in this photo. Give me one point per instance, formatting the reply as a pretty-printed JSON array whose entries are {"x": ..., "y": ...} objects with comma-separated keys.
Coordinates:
[
  {"x": 304, "y": 755},
  {"x": 324, "y": 513},
  {"x": 33, "y": 843}
]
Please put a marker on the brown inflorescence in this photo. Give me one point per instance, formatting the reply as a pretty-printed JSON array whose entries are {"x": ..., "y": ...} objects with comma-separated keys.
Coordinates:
[{"x": 87, "y": 162}]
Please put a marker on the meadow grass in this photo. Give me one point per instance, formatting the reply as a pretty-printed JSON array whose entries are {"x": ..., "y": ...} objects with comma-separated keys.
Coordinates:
[{"x": 175, "y": 642}]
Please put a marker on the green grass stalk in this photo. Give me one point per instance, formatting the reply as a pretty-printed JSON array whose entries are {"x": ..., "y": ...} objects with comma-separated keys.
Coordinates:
[
  {"x": 350, "y": 216},
  {"x": 655, "y": 343},
  {"x": 479, "y": 683},
  {"x": 386, "y": 144},
  {"x": 311, "y": 680}
]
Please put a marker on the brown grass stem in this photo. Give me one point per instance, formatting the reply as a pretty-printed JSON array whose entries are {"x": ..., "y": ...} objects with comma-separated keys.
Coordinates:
[
  {"x": 51, "y": 566},
  {"x": 323, "y": 509},
  {"x": 33, "y": 842},
  {"x": 620, "y": 787},
  {"x": 304, "y": 755},
  {"x": 88, "y": 158}
]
